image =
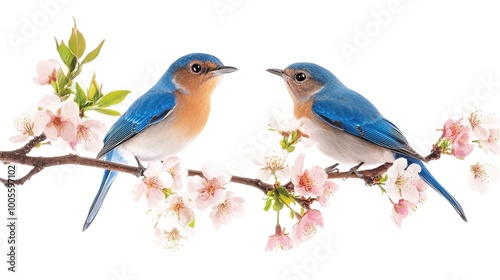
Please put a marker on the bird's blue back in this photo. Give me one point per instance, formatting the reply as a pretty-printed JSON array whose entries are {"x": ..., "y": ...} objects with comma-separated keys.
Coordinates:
[{"x": 346, "y": 110}]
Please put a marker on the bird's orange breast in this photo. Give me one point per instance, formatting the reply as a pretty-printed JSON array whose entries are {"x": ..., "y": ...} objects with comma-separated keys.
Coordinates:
[
  {"x": 303, "y": 110},
  {"x": 192, "y": 110}
]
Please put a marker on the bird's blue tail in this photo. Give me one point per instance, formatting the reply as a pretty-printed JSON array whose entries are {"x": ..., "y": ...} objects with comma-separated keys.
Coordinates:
[
  {"x": 431, "y": 181},
  {"x": 107, "y": 179}
]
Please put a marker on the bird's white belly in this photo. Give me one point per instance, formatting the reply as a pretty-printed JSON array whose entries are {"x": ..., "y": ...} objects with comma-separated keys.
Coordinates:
[
  {"x": 349, "y": 149},
  {"x": 157, "y": 142}
]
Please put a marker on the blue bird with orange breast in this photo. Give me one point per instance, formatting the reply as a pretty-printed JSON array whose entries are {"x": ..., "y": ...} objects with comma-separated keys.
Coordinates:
[
  {"x": 348, "y": 127},
  {"x": 164, "y": 120}
]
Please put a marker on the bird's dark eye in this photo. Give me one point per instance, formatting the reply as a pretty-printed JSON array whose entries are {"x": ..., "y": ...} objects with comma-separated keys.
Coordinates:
[
  {"x": 300, "y": 77},
  {"x": 196, "y": 68}
]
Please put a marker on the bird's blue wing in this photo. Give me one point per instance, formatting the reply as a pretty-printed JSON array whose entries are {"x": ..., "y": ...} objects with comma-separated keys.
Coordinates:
[
  {"x": 148, "y": 109},
  {"x": 355, "y": 115}
]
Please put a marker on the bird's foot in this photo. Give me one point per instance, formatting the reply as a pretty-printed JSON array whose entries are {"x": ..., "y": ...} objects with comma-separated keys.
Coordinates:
[
  {"x": 140, "y": 166},
  {"x": 354, "y": 170},
  {"x": 332, "y": 169}
]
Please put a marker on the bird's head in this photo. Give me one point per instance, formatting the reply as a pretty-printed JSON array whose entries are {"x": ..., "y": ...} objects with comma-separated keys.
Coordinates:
[
  {"x": 304, "y": 80},
  {"x": 197, "y": 72}
]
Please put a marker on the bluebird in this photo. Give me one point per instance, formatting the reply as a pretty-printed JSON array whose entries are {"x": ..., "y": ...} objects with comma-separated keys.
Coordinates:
[
  {"x": 348, "y": 127},
  {"x": 164, "y": 120}
]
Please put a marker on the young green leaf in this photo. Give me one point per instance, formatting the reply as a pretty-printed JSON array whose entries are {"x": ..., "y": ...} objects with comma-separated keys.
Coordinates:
[
  {"x": 94, "y": 93},
  {"x": 61, "y": 81},
  {"x": 80, "y": 97},
  {"x": 286, "y": 199},
  {"x": 282, "y": 191},
  {"x": 76, "y": 42},
  {"x": 278, "y": 204},
  {"x": 112, "y": 98},
  {"x": 192, "y": 223},
  {"x": 93, "y": 54},
  {"x": 269, "y": 202},
  {"x": 66, "y": 55},
  {"x": 107, "y": 112}
]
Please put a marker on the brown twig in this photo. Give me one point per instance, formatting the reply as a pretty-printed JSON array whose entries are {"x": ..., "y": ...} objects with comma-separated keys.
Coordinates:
[
  {"x": 39, "y": 163},
  {"x": 31, "y": 144}
]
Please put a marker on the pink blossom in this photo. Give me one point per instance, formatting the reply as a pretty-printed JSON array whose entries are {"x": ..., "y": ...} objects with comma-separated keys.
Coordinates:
[
  {"x": 307, "y": 225},
  {"x": 27, "y": 127},
  {"x": 459, "y": 135},
  {"x": 462, "y": 146},
  {"x": 179, "y": 207},
  {"x": 481, "y": 176},
  {"x": 154, "y": 181},
  {"x": 492, "y": 142},
  {"x": 309, "y": 181},
  {"x": 89, "y": 135},
  {"x": 173, "y": 166},
  {"x": 209, "y": 189},
  {"x": 47, "y": 71},
  {"x": 402, "y": 181},
  {"x": 422, "y": 195},
  {"x": 274, "y": 164},
  {"x": 400, "y": 211},
  {"x": 405, "y": 189},
  {"x": 287, "y": 125},
  {"x": 173, "y": 238},
  {"x": 59, "y": 119},
  {"x": 329, "y": 189},
  {"x": 225, "y": 211},
  {"x": 279, "y": 240},
  {"x": 482, "y": 124}
]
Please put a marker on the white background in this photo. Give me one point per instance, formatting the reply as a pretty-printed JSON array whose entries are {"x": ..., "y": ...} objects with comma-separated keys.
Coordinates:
[{"x": 417, "y": 67}]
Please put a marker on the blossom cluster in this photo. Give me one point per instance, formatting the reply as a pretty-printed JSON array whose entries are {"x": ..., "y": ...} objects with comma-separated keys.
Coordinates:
[
  {"x": 60, "y": 121},
  {"x": 174, "y": 207},
  {"x": 459, "y": 137},
  {"x": 309, "y": 185},
  {"x": 405, "y": 189},
  {"x": 61, "y": 114}
]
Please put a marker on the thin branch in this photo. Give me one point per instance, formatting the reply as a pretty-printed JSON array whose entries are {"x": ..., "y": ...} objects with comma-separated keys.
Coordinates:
[
  {"x": 39, "y": 163},
  {"x": 31, "y": 144}
]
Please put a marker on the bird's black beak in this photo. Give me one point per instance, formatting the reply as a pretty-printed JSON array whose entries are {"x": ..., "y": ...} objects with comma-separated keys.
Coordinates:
[
  {"x": 223, "y": 70},
  {"x": 278, "y": 72}
]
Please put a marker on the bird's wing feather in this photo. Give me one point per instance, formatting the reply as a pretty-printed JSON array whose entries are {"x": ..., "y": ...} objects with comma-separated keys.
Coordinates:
[
  {"x": 361, "y": 119},
  {"x": 147, "y": 110}
]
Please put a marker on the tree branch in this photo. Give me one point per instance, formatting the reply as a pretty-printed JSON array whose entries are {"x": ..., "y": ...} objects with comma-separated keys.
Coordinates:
[{"x": 39, "y": 163}]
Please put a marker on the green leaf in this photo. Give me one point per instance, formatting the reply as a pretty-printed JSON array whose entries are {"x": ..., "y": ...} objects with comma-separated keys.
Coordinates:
[
  {"x": 278, "y": 204},
  {"x": 61, "y": 81},
  {"x": 76, "y": 42},
  {"x": 64, "y": 93},
  {"x": 107, "y": 112},
  {"x": 192, "y": 223},
  {"x": 283, "y": 144},
  {"x": 282, "y": 191},
  {"x": 80, "y": 97},
  {"x": 67, "y": 56},
  {"x": 269, "y": 202},
  {"x": 94, "y": 93},
  {"x": 287, "y": 200},
  {"x": 292, "y": 215},
  {"x": 112, "y": 98},
  {"x": 93, "y": 54}
]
